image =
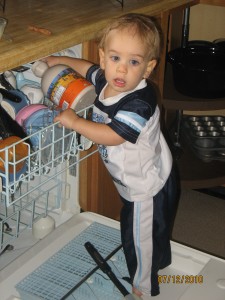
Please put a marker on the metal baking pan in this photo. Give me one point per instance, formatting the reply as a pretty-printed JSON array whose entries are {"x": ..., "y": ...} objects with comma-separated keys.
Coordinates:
[{"x": 205, "y": 135}]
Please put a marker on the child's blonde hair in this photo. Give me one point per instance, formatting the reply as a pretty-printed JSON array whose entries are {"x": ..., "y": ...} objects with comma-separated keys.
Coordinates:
[{"x": 145, "y": 26}]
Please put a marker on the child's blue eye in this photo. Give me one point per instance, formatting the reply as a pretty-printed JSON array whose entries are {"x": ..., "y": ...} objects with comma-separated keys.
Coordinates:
[
  {"x": 134, "y": 62},
  {"x": 115, "y": 58}
]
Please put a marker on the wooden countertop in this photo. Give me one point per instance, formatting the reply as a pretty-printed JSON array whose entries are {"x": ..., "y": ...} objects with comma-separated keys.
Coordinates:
[{"x": 70, "y": 21}]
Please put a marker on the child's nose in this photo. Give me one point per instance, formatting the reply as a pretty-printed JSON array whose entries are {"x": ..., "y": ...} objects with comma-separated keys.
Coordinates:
[{"x": 122, "y": 68}]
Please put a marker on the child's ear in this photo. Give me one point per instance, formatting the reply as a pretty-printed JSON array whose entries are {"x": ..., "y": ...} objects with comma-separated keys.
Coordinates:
[
  {"x": 102, "y": 58},
  {"x": 150, "y": 67}
]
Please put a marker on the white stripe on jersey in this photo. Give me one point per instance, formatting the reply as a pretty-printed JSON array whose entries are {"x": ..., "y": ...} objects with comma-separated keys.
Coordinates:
[{"x": 131, "y": 119}]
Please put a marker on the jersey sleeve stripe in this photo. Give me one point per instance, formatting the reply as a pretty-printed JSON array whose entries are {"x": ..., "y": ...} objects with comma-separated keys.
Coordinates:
[{"x": 131, "y": 119}]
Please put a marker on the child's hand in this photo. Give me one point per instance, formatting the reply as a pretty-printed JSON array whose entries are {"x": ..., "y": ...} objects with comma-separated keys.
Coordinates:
[
  {"x": 67, "y": 118},
  {"x": 52, "y": 60}
]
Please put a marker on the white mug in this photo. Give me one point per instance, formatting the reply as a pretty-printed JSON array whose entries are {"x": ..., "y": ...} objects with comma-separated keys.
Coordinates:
[
  {"x": 11, "y": 78},
  {"x": 33, "y": 93},
  {"x": 39, "y": 68},
  {"x": 11, "y": 107}
]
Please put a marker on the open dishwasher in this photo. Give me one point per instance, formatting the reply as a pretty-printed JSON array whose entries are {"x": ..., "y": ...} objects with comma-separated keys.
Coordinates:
[{"x": 50, "y": 262}]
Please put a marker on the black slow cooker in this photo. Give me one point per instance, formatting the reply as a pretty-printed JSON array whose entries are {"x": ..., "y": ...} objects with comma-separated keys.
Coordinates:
[{"x": 199, "y": 69}]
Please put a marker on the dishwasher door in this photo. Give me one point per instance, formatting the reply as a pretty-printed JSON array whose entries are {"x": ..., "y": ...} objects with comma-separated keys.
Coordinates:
[{"x": 192, "y": 274}]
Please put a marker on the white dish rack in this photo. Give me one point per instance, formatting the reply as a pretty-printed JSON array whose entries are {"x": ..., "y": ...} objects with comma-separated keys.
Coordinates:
[
  {"x": 71, "y": 273},
  {"x": 41, "y": 186}
]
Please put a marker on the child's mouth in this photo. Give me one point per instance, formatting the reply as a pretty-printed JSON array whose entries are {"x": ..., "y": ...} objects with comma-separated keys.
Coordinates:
[{"x": 119, "y": 82}]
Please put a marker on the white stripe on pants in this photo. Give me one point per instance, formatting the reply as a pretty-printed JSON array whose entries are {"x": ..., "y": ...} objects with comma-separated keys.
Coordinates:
[{"x": 143, "y": 214}]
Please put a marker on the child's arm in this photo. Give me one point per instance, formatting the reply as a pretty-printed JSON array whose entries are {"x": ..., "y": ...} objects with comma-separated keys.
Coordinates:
[
  {"x": 77, "y": 64},
  {"x": 96, "y": 132}
]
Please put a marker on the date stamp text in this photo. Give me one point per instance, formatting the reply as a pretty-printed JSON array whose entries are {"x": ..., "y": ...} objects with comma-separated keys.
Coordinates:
[{"x": 180, "y": 279}]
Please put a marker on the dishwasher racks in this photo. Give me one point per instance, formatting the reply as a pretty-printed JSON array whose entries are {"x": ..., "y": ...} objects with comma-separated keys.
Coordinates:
[
  {"x": 34, "y": 182},
  {"x": 71, "y": 273}
]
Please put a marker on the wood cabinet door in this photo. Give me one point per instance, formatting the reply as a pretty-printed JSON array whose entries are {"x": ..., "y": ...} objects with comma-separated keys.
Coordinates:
[{"x": 97, "y": 192}]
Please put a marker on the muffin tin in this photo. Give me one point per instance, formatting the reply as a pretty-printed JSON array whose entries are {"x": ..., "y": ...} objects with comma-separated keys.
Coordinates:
[{"x": 205, "y": 135}]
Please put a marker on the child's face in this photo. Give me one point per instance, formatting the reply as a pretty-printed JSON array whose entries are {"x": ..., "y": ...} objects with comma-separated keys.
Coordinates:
[{"x": 125, "y": 61}]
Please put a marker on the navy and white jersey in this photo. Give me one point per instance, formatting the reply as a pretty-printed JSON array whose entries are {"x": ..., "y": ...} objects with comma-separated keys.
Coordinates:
[{"x": 141, "y": 165}]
